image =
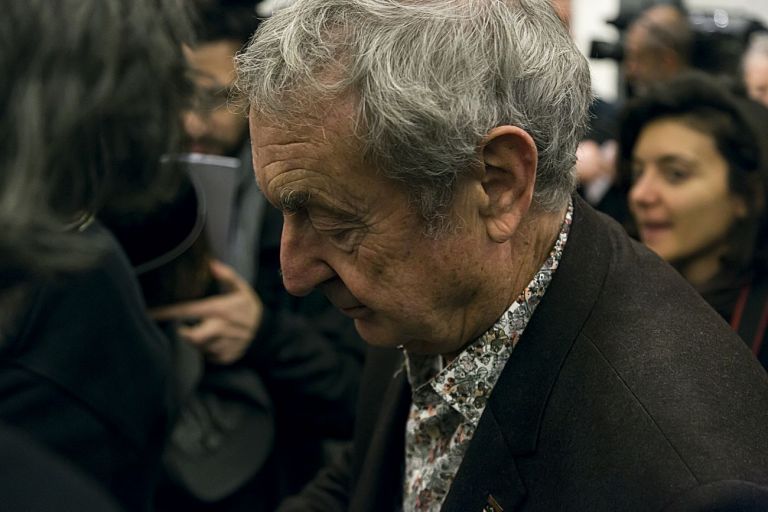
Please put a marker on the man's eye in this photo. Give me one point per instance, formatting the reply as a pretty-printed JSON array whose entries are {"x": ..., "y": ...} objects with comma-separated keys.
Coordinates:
[
  {"x": 340, "y": 235},
  {"x": 343, "y": 238}
]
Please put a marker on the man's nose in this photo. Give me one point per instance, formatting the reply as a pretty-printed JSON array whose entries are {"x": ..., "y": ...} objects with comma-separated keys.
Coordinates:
[
  {"x": 195, "y": 125},
  {"x": 631, "y": 68},
  {"x": 301, "y": 257}
]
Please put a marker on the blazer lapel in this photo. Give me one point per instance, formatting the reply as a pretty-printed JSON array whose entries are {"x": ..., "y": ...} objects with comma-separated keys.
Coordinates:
[
  {"x": 488, "y": 478},
  {"x": 380, "y": 481}
]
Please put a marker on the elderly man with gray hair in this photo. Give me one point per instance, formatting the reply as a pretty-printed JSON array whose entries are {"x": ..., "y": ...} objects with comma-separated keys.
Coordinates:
[{"x": 525, "y": 354}]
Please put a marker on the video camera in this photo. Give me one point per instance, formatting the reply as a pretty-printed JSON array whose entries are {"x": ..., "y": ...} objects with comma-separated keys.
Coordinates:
[{"x": 720, "y": 35}]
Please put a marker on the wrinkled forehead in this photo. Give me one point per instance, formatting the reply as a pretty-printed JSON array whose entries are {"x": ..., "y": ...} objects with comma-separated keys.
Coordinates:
[
  {"x": 324, "y": 139},
  {"x": 314, "y": 167},
  {"x": 330, "y": 121}
]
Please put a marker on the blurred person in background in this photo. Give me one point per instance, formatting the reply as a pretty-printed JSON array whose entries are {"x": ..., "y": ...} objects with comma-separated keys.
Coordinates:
[
  {"x": 658, "y": 46},
  {"x": 307, "y": 355},
  {"x": 696, "y": 155},
  {"x": 595, "y": 164},
  {"x": 755, "y": 68},
  {"x": 90, "y": 101}
]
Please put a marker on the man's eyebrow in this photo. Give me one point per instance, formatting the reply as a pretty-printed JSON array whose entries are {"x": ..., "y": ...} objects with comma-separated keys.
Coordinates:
[{"x": 292, "y": 201}]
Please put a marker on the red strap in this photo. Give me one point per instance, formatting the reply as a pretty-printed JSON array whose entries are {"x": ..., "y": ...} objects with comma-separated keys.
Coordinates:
[
  {"x": 738, "y": 309},
  {"x": 757, "y": 342}
]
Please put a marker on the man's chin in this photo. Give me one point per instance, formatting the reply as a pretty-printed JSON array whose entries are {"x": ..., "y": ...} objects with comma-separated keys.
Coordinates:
[
  {"x": 385, "y": 336},
  {"x": 204, "y": 149},
  {"x": 378, "y": 335},
  {"x": 389, "y": 336},
  {"x": 356, "y": 312}
]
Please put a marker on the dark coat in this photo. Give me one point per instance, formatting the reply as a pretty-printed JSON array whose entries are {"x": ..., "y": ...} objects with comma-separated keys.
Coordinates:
[
  {"x": 625, "y": 392},
  {"x": 35, "y": 480},
  {"x": 742, "y": 300},
  {"x": 310, "y": 358},
  {"x": 86, "y": 374}
]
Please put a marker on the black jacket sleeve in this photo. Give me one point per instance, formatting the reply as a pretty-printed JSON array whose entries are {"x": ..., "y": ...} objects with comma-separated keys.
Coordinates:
[
  {"x": 328, "y": 492},
  {"x": 86, "y": 374},
  {"x": 311, "y": 362}
]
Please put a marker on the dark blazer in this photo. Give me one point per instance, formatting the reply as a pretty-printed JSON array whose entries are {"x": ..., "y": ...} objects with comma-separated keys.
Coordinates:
[
  {"x": 626, "y": 392},
  {"x": 86, "y": 374},
  {"x": 34, "y": 480}
]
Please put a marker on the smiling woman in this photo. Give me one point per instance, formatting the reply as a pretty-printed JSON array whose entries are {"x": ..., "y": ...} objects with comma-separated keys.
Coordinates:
[{"x": 697, "y": 164}]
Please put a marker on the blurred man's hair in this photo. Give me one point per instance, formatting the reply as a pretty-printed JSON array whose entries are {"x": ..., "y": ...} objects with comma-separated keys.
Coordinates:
[
  {"x": 668, "y": 28},
  {"x": 216, "y": 20}
]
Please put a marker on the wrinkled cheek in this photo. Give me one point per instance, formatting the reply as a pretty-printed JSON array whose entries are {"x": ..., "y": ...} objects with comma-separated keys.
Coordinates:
[
  {"x": 407, "y": 293},
  {"x": 378, "y": 269},
  {"x": 403, "y": 302}
]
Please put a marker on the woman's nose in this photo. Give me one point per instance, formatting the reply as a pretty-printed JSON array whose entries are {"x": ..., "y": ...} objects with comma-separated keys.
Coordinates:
[{"x": 644, "y": 191}]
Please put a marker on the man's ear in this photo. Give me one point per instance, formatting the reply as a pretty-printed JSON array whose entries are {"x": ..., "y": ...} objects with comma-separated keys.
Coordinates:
[{"x": 509, "y": 159}]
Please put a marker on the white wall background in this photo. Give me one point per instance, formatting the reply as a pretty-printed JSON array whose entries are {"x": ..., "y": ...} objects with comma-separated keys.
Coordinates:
[{"x": 588, "y": 22}]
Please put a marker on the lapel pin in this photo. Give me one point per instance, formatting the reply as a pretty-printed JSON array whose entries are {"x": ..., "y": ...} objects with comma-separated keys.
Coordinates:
[{"x": 493, "y": 505}]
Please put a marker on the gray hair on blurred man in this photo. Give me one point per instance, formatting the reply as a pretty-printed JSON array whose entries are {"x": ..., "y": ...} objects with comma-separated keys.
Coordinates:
[{"x": 423, "y": 153}]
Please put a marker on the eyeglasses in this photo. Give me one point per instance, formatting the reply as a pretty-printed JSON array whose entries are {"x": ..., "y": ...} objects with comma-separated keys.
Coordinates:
[{"x": 210, "y": 99}]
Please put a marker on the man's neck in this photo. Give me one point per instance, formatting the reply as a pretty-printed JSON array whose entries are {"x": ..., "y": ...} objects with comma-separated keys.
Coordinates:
[
  {"x": 538, "y": 236},
  {"x": 528, "y": 251}
]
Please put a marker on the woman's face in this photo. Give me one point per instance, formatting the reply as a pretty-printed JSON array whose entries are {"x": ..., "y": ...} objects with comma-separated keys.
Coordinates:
[{"x": 680, "y": 197}]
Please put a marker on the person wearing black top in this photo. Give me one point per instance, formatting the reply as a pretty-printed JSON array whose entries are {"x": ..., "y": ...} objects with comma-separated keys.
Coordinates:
[{"x": 90, "y": 102}]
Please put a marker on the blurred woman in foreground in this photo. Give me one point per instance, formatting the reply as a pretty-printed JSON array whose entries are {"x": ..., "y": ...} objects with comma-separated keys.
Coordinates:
[{"x": 90, "y": 97}]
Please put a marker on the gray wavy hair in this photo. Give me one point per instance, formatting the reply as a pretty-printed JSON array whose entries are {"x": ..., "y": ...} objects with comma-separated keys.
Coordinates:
[{"x": 432, "y": 77}]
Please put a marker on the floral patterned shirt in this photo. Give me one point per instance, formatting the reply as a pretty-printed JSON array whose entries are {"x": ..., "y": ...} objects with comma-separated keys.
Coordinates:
[{"x": 448, "y": 401}]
